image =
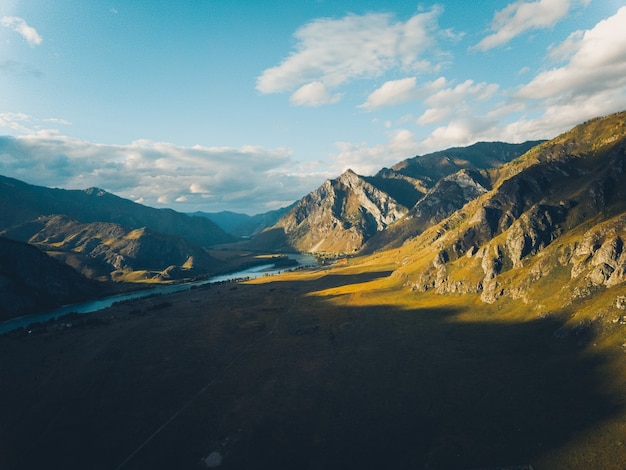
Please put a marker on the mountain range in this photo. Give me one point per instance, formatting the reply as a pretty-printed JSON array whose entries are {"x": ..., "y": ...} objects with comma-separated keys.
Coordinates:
[
  {"x": 343, "y": 214},
  {"x": 244, "y": 225},
  {"x": 22, "y": 202},
  {"x": 491, "y": 218},
  {"x": 481, "y": 323},
  {"x": 92, "y": 225},
  {"x": 550, "y": 232}
]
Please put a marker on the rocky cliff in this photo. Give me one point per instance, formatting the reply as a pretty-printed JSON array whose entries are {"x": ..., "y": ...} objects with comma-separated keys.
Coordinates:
[
  {"x": 447, "y": 196},
  {"x": 550, "y": 232},
  {"x": 339, "y": 216},
  {"x": 392, "y": 206}
]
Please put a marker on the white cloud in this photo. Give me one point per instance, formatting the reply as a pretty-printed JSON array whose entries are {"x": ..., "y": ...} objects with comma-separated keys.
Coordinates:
[
  {"x": 521, "y": 16},
  {"x": 196, "y": 188},
  {"x": 461, "y": 92},
  {"x": 461, "y": 131},
  {"x": 20, "y": 26},
  {"x": 22, "y": 123},
  {"x": 433, "y": 115},
  {"x": 334, "y": 51},
  {"x": 366, "y": 160},
  {"x": 391, "y": 93},
  {"x": 597, "y": 62},
  {"x": 590, "y": 82},
  {"x": 313, "y": 94},
  {"x": 245, "y": 179},
  {"x": 445, "y": 102}
]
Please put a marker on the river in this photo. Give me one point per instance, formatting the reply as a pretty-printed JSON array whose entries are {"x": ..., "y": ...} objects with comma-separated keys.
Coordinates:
[{"x": 105, "y": 302}]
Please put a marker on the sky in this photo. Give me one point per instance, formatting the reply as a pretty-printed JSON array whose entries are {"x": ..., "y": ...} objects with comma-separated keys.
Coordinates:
[{"x": 212, "y": 105}]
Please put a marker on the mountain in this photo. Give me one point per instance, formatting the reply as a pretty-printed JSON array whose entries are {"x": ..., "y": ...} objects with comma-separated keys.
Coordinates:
[
  {"x": 337, "y": 217},
  {"x": 32, "y": 281},
  {"x": 550, "y": 232},
  {"x": 432, "y": 167},
  {"x": 21, "y": 202},
  {"x": 391, "y": 206},
  {"x": 447, "y": 196},
  {"x": 243, "y": 225},
  {"x": 107, "y": 251}
]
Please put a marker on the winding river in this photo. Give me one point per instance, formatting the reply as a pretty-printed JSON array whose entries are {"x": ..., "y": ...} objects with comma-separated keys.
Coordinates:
[{"x": 100, "y": 304}]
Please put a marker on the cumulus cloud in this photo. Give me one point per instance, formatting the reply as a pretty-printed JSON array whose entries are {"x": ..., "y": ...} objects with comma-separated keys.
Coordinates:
[
  {"x": 366, "y": 160},
  {"x": 313, "y": 94},
  {"x": 446, "y": 101},
  {"x": 461, "y": 131},
  {"x": 597, "y": 63},
  {"x": 521, "y": 16},
  {"x": 247, "y": 179},
  {"x": 20, "y": 26},
  {"x": 391, "y": 93},
  {"x": 332, "y": 52},
  {"x": 589, "y": 81}
]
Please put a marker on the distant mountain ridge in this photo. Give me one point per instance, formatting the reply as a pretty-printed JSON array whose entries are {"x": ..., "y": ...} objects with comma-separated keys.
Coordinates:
[
  {"x": 102, "y": 250},
  {"x": 243, "y": 225},
  {"x": 20, "y": 202},
  {"x": 106, "y": 237},
  {"x": 344, "y": 214}
]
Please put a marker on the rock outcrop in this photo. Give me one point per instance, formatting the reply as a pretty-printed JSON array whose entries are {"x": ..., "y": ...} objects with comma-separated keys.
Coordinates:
[
  {"x": 555, "y": 217},
  {"x": 339, "y": 216},
  {"x": 344, "y": 214}
]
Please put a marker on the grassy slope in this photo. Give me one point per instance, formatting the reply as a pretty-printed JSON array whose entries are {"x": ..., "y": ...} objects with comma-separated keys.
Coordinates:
[{"x": 332, "y": 369}]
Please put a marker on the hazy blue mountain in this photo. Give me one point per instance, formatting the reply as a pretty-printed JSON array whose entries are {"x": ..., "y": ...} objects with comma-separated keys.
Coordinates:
[{"x": 244, "y": 225}]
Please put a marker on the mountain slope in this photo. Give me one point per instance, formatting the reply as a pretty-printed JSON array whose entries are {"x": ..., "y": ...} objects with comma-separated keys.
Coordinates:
[
  {"x": 551, "y": 232},
  {"x": 32, "y": 281},
  {"x": 432, "y": 167},
  {"x": 21, "y": 202},
  {"x": 103, "y": 250},
  {"x": 447, "y": 196},
  {"x": 343, "y": 214},
  {"x": 337, "y": 217}
]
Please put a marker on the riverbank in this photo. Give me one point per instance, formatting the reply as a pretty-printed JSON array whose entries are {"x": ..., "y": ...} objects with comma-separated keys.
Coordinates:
[{"x": 29, "y": 324}]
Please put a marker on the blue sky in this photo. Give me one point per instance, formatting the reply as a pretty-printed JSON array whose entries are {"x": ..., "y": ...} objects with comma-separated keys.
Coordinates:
[{"x": 249, "y": 105}]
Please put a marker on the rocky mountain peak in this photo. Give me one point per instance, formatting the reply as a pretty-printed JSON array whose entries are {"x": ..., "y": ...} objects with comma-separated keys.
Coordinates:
[
  {"x": 339, "y": 216},
  {"x": 93, "y": 191},
  {"x": 345, "y": 213}
]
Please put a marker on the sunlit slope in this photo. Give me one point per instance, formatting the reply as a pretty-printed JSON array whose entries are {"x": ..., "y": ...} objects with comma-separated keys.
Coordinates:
[
  {"x": 106, "y": 251},
  {"x": 550, "y": 233},
  {"x": 345, "y": 213}
]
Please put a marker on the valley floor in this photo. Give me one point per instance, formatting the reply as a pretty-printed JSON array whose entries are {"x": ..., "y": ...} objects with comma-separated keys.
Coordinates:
[{"x": 338, "y": 368}]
